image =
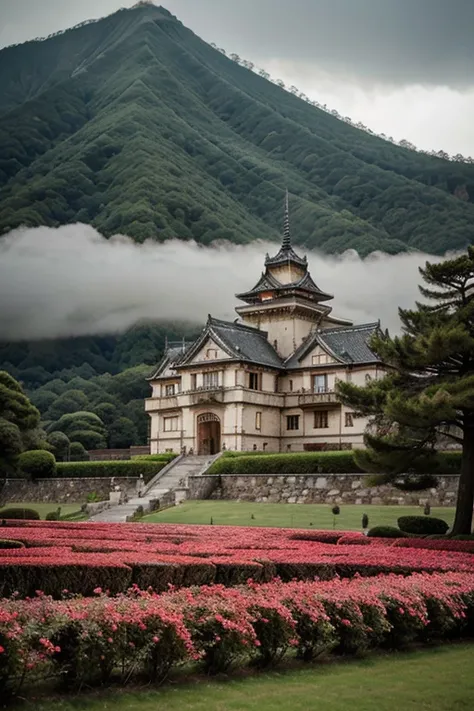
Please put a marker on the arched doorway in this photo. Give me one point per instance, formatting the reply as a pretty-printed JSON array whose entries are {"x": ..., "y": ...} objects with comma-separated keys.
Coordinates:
[{"x": 209, "y": 433}]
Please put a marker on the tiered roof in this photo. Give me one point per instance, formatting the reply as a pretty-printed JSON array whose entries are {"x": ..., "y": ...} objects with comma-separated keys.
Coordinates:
[{"x": 304, "y": 286}]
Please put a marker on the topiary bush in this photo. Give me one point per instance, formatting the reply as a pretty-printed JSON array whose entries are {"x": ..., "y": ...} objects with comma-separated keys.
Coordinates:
[
  {"x": 386, "y": 532},
  {"x": 422, "y": 525},
  {"x": 20, "y": 513},
  {"x": 78, "y": 453},
  {"x": 37, "y": 464}
]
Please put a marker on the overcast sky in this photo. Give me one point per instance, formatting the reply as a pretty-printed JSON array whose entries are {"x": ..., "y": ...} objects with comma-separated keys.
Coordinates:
[{"x": 402, "y": 67}]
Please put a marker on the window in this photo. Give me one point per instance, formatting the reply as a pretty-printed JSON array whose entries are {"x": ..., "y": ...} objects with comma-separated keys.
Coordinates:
[
  {"x": 254, "y": 381},
  {"x": 170, "y": 390},
  {"x": 210, "y": 380},
  {"x": 170, "y": 424},
  {"x": 193, "y": 381},
  {"x": 293, "y": 422},
  {"x": 291, "y": 386},
  {"x": 349, "y": 419},
  {"x": 211, "y": 354},
  {"x": 276, "y": 383},
  {"x": 320, "y": 359},
  {"x": 321, "y": 419},
  {"x": 349, "y": 376},
  {"x": 258, "y": 420},
  {"x": 320, "y": 383}
]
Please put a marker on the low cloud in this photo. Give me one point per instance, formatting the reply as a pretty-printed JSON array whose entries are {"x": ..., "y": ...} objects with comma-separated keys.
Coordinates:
[{"x": 71, "y": 281}]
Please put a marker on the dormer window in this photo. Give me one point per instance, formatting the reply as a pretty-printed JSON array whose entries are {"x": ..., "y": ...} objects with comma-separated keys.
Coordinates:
[{"x": 170, "y": 390}]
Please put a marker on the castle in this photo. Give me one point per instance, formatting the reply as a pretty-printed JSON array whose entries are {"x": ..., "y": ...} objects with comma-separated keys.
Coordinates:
[{"x": 265, "y": 381}]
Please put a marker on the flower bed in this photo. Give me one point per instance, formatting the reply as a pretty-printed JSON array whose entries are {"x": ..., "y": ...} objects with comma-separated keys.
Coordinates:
[
  {"x": 83, "y": 556},
  {"x": 82, "y": 641}
]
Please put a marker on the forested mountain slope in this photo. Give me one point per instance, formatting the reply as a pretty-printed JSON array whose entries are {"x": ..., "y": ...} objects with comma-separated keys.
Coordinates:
[{"x": 135, "y": 125}]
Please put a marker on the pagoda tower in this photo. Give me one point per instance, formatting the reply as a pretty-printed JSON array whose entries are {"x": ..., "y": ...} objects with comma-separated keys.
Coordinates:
[{"x": 286, "y": 302}]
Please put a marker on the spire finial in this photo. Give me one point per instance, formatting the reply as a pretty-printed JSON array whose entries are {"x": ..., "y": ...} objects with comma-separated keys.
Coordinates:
[{"x": 286, "y": 244}]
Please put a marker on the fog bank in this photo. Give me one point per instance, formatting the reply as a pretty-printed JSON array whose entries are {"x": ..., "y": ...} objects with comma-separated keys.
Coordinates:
[{"x": 71, "y": 281}]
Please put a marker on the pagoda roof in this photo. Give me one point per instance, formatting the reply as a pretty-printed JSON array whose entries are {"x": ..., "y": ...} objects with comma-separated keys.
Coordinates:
[{"x": 268, "y": 282}]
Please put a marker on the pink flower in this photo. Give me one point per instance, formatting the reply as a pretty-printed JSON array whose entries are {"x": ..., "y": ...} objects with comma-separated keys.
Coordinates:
[
  {"x": 2, "y": 649},
  {"x": 156, "y": 639}
]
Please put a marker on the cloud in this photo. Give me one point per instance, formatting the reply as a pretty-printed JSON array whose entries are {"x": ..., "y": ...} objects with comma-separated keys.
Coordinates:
[{"x": 71, "y": 281}]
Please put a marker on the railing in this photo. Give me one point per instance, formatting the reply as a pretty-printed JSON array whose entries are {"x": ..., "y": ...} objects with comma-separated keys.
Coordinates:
[{"x": 328, "y": 397}]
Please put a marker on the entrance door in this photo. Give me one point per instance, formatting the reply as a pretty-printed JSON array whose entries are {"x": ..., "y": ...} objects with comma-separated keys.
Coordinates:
[{"x": 209, "y": 433}]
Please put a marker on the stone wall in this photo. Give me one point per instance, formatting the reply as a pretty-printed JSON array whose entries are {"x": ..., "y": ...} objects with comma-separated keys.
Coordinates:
[
  {"x": 317, "y": 489},
  {"x": 63, "y": 491}
]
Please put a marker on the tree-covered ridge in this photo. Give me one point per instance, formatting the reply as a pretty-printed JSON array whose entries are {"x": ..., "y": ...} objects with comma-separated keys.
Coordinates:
[
  {"x": 91, "y": 388},
  {"x": 135, "y": 125}
]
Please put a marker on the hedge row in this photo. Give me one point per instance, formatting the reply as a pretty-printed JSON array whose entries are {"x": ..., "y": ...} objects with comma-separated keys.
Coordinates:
[
  {"x": 83, "y": 642},
  {"x": 120, "y": 468},
  {"x": 340, "y": 462}
]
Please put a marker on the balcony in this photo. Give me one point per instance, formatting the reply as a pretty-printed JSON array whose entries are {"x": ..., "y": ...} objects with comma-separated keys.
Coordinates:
[
  {"x": 153, "y": 404},
  {"x": 206, "y": 395},
  {"x": 326, "y": 397}
]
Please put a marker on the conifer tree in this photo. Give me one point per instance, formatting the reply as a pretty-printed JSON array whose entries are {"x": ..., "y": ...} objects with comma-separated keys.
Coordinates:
[{"x": 428, "y": 392}]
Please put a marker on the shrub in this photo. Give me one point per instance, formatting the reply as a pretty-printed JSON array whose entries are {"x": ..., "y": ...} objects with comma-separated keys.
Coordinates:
[
  {"x": 365, "y": 521},
  {"x": 53, "y": 515},
  {"x": 422, "y": 525},
  {"x": 120, "y": 468},
  {"x": 386, "y": 532},
  {"x": 37, "y": 464},
  {"x": 6, "y": 543},
  {"x": 25, "y": 576},
  {"x": 338, "y": 462},
  {"x": 78, "y": 453},
  {"x": 20, "y": 513}
]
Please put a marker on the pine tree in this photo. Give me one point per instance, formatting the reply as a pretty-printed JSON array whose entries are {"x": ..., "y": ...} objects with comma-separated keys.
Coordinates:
[{"x": 427, "y": 394}]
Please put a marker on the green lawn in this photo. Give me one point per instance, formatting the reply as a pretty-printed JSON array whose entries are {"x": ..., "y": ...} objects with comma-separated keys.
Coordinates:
[
  {"x": 438, "y": 679},
  {"x": 239, "y": 513},
  {"x": 44, "y": 509}
]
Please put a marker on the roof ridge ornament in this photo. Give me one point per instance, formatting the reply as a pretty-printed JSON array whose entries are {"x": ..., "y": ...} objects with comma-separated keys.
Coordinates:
[{"x": 286, "y": 243}]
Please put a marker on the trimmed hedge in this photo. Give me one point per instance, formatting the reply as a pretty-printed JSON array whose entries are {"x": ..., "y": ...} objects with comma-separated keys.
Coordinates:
[
  {"x": 386, "y": 532},
  {"x": 7, "y": 543},
  {"x": 120, "y": 468},
  {"x": 298, "y": 463},
  {"x": 422, "y": 525},
  {"x": 20, "y": 513},
  {"x": 338, "y": 462}
]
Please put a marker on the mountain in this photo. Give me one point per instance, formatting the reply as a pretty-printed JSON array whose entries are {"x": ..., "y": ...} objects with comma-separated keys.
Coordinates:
[{"x": 135, "y": 125}]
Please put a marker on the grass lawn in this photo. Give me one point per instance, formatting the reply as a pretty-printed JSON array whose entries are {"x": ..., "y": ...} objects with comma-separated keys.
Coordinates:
[
  {"x": 44, "y": 509},
  {"x": 438, "y": 679},
  {"x": 239, "y": 513}
]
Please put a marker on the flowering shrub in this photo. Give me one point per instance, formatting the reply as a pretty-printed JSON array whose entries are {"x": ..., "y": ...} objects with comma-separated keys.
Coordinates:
[
  {"x": 83, "y": 641},
  {"x": 82, "y": 556}
]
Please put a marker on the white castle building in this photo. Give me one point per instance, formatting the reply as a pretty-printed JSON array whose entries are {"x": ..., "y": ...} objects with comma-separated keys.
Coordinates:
[{"x": 265, "y": 381}]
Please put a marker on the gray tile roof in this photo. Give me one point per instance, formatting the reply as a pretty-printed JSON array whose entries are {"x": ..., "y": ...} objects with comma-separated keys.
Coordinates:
[
  {"x": 349, "y": 345},
  {"x": 245, "y": 343}
]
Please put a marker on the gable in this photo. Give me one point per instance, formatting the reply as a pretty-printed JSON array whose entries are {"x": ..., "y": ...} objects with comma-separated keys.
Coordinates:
[
  {"x": 210, "y": 351},
  {"x": 317, "y": 356}
]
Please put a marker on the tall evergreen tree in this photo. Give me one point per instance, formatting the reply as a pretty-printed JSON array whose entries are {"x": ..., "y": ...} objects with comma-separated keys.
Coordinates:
[{"x": 428, "y": 393}]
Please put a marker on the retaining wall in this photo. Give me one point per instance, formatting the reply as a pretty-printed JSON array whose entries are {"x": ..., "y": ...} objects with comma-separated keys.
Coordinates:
[
  {"x": 63, "y": 491},
  {"x": 316, "y": 489}
]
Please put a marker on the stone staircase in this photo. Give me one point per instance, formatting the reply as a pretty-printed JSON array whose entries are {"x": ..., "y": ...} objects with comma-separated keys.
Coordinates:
[{"x": 160, "y": 488}]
